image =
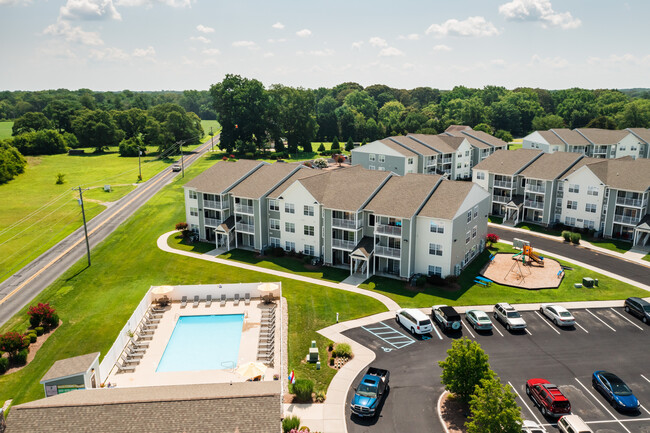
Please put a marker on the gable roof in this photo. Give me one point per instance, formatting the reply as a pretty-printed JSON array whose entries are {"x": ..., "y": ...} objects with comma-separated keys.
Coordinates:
[
  {"x": 454, "y": 128},
  {"x": 402, "y": 196},
  {"x": 584, "y": 161},
  {"x": 602, "y": 136},
  {"x": 264, "y": 179},
  {"x": 570, "y": 137},
  {"x": 484, "y": 137},
  {"x": 447, "y": 199},
  {"x": 300, "y": 174},
  {"x": 623, "y": 173},
  {"x": 246, "y": 407},
  {"x": 219, "y": 178},
  {"x": 508, "y": 162},
  {"x": 551, "y": 137},
  {"x": 550, "y": 166},
  {"x": 641, "y": 133},
  {"x": 373, "y": 147},
  {"x": 414, "y": 145},
  {"x": 70, "y": 366},
  {"x": 442, "y": 143}
]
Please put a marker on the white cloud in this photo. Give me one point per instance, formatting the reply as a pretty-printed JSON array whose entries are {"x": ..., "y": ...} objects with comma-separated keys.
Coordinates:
[
  {"x": 410, "y": 37},
  {"x": 538, "y": 10},
  {"x": 548, "y": 62},
  {"x": 441, "y": 47},
  {"x": 268, "y": 55},
  {"x": 304, "y": 33},
  {"x": 200, "y": 39},
  {"x": 472, "y": 26},
  {"x": 357, "y": 45},
  {"x": 618, "y": 60},
  {"x": 211, "y": 52},
  {"x": 144, "y": 52},
  {"x": 149, "y": 3},
  {"x": 13, "y": 2},
  {"x": 109, "y": 54},
  {"x": 321, "y": 53},
  {"x": 376, "y": 41},
  {"x": 278, "y": 25},
  {"x": 274, "y": 41},
  {"x": 390, "y": 52},
  {"x": 89, "y": 10},
  {"x": 245, "y": 44},
  {"x": 408, "y": 66},
  {"x": 204, "y": 29},
  {"x": 73, "y": 34}
]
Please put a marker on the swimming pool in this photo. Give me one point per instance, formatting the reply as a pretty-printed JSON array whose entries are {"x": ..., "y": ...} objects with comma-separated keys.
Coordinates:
[{"x": 203, "y": 343}]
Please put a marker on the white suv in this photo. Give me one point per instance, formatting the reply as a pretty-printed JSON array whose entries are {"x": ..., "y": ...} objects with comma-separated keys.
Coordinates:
[
  {"x": 414, "y": 320},
  {"x": 506, "y": 314},
  {"x": 532, "y": 427},
  {"x": 573, "y": 424}
]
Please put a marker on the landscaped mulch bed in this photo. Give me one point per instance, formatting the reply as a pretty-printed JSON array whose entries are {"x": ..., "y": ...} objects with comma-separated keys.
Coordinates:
[
  {"x": 33, "y": 349},
  {"x": 453, "y": 414}
]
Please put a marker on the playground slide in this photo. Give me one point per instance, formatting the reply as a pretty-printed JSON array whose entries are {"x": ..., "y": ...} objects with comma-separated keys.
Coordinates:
[{"x": 534, "y": 257}]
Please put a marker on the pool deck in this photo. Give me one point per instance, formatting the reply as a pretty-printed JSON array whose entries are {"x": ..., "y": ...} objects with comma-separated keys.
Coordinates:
[{"x": 145, "y": 372}]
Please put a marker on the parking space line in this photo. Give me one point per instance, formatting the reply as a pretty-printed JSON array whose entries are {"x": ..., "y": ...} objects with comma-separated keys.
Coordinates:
[
  {"x": 524, "y": 402},
  {"x": 600, "y": 320},
  {"x": 605, "y": 421},
  {"x": 526, "y": 329},
  {"x": 603, "y": 406},
  {"x": 643, "y": 407},
  {"x": 625, "y": 318},
  {"x": 497, "y": 329},
  {"x": 437, "y": 333},
  {"x": 646, "y": 379},
  {"x": 467, "y": 327},
  {"x": 547, "y": 324},
  {"x": 404, "y": 340},
  {"x": 578, "y": 325}
]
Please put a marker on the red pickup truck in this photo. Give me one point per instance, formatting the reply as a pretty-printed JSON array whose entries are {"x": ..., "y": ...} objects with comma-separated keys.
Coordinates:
[{"x": 548, "y": 397}]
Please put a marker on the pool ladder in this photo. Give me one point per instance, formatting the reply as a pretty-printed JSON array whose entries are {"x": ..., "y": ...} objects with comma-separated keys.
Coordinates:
[{"x": 229, "y": 365}]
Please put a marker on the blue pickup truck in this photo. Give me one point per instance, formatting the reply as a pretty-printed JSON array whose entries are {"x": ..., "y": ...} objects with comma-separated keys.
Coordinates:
[{"x": 370, "y": 392}]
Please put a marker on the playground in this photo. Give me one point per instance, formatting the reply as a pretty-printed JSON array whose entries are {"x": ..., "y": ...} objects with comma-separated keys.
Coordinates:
[{"x": 525, "y": 269}]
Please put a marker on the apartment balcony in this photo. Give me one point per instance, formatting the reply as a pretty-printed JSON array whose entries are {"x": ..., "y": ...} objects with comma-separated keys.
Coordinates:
[
  {"x": 243, "y": 208},
  {"x": 622, "y": 219},
  {"x": 245, "y": 228},
  {"x": 212, "y": 222},
  {"x": 348, "y": 224},
  {"x": 503, "y": 184},
  {"x": 381, "y": 251},
  {"x": 388, "y": 230},
  {"x": 633, "y": 202},
  {"x": 447, "y": 160},
  {"x": 343, "y": 244},
  {"x": 501, "y": 198},
  {"x": 534, "y": 204},
  {"x": 536, "y": 188},
  {"x": 220, "y": 205}
]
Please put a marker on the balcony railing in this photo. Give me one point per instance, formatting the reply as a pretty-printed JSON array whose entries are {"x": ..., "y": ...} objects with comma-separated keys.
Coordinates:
[
  {"x": 393, "y": 253},
  {"x": 534, "y": 204},
  {"x": 243, "y": 208},
  {"x": 212, "y": 204},
  {"x": 245, "y": 228},
  {"x": 501, "y": 198},
  {"x": 343, "y": 244},
  {"x": 446, "y": 160},
  {"x": 631, "y": 202},
  {"x": 536, "y": 188},
  {"x": 384, "y": 229},
  {"x": 627, "y": 219},
  {"x": 503, "y": 184},
  {"x": 352, "y": 224},
  {"x": 214, "y": 222}
]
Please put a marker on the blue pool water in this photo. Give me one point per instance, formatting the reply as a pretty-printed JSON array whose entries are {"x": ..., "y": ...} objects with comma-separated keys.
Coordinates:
[{"x": 203, "y": 343}]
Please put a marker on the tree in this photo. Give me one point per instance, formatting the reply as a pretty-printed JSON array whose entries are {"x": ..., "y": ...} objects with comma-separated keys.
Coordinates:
[
  {"x": 61, "y": 112},
  {"x": 636, "y": 114},
  {"x": 484, "y": 127},
  {"x": 96, "y": 128},
  {"x": 30, "y": 122},
  {"x": 130, "y": 147},
  {"x": 294, "y": 114},
  {"x": 493, "y": 409},
  {"x": 361, "y": 102},
  {"x": 321, "y": 148},
  {"x": 602, "y": 122},
  {"x": 339, "y": 159},
  {"x": 132, "y": 121},
  {"x": 40, "y": 314},
  {"x": 466, "y": 364},
  {"x": 48, "y": 142},
  {"x": 12, "y": 162},
  {"x": 349, "y": 145},
  {"x": 176, "y": 125},
  {"x": 326, "y": 117},
  {"x": 503, "y": 135},
  {"x": 491, "y": 239},
  {"x": 549, "y": 121},
  {"x": 335, "y": 144}
]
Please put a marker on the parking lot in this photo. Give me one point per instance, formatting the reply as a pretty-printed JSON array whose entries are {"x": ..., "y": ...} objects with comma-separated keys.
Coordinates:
[{"x": 603, "y": 339}]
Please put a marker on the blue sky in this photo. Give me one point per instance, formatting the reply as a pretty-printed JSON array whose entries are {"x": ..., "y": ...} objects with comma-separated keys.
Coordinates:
[{"x": 191, "y": 44}]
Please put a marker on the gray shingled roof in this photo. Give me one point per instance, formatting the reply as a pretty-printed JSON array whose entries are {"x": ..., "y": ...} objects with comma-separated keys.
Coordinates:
[
  {"x": 446, "y": 199},
  {"x": 300, "y": 174},
  {"x": 485, "y": 137},
  {"x": 365, "y": 246},
  {"x": 508, "y": 162},
  {"x": 550, "y": 137},
  {"x": 642, "y": 133},
  {"x": 454, "y": 128},
  {"x": 550, "y": 166},
  {"x": 222, "y": 175},
  {"x": 434, "y": 141},
  {"x": 390, "y": 142},
  {"x": 403, "y": 195},
  {"x": 70, "y": 366},
  {"x": 602, "y": 136},
  {"x": 570, "y": 137},
  {"x": 625, "y": 173},
  {"x": 244, "y": 407},
  {"x": 414, "y": 145},
  {"x": 264, "y": 179}
]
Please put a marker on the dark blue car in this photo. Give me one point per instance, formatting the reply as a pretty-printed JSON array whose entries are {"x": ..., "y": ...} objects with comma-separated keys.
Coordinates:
[{"x": 615, "y": 390}]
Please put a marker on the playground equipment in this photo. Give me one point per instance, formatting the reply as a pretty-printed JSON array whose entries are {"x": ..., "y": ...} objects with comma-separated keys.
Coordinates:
[{"x": 527, "y": 252}]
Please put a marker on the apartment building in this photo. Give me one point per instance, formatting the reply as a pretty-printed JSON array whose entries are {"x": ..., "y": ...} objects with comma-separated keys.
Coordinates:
[
  {"x": 592, "y": 142},
  {"x": 369, "y": 221},
  {"x": 483, "y": 144}
]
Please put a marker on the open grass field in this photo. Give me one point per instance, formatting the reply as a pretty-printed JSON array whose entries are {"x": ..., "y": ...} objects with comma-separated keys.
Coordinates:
[
  {"x": 95, "y": 302},
  {"x": 473, "y": 294},
  {"x": 517, "y": 143},
  {"x": 5, "y": 129},
  {"x": 207, "y": 124}
]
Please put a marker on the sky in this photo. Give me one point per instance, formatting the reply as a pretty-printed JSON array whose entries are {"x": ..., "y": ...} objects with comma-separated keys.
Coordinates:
[{"x": 191, "y": 44}]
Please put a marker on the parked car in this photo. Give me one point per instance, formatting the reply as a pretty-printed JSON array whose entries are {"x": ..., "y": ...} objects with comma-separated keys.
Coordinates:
[
  {"x": 532, "y": 427},
  {"x": 639, "y": 307},
  {"x": 446, "y": 316},
  {"x": 506, "y": 314},
  {"x": 176, "y": 167},
  {"x": 479, "y": 320},
  {"x": 558, "y": 314},
  {"x": 370, "y": 392},
  {"x": 548, "y": 397},
  {"x": 614, "y": 390},
  {"x": 414, "y": 320},
  {"x": 573, "y": 424}
]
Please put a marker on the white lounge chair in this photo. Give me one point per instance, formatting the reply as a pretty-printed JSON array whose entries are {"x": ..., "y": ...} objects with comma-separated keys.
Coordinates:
[
  {"x": 139, "y": 344},
  {"x": 131, "y": 354},
  {"x": 223, "y": 300},
  {"x": 127, "y": 361},
  {"x": 136, "y": 349},
  {"x": 196, "y": 301},
  {"x": 247, "y": 298},
  {"x": 145, "y": 336},
  {"x": 236, "y": 299},
  {"x": 208, "y": 300},
  {"x": 123, "y": 368},
  {"x": 184, "y": 301}
]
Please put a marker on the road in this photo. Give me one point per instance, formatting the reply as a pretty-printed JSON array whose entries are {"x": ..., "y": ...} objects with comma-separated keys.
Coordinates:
[
  {"x": 19, "y": 289},
  {"x": 622, "y": 267}
]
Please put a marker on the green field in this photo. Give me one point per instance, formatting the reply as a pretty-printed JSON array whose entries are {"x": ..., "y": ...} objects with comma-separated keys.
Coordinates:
[
  {"x": 206, "y": 124},
  {"x": 94, "y": 303},
  {"x": 517, "y": 143},
  {"x": 5, "y": 129}
]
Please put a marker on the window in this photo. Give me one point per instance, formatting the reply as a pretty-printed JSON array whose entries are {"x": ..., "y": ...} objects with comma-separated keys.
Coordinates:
[
  {"x": 633, "y": 148},
  {"x": 275, "y": 242},
  {"x": 193, "y": 195},
  {"x": 274, "y": 205},
  {"x": 480, "y": 175},
  {"x": 468, "y": 236},
  {"x": 371, "y": 167},
  {"x": 622, "y": 148},
  {"x": 274, "y": 224},
  {"x": 589, "y": 224},
  {"x": 474, "y": 231},
  {"x": 371, "y": 157},
  {"x": 435, "y": 249},
  {"x": 308, "y": 230},
  {"x": 309, "y": 250},
  {"x": 469, "y": 216},
  {"x": 290, "y": 246},
  {"x": 435, "y": 270},
  {"x": 289, "y": 208},
  {"x": 382, "y": 169},
  {"x": 409, "y": 161},
  {"x": 592, "y": 190},
  {"x": 574, "y": 188},
  {"x": 289, "y": 227},
  {"x": 590, "y": 207},
  {"x": 382, "y": 158},
  {"x": 570, "y": 204},
  {"x": 194, "y": 211},
  {"x": 570, "y": 221},
  {"x": 467, "y": 153},
  {"x": 459, "y": 165},
  {"x": 308, "y": 210},
  {"x": 436, "y": 227},
  {"x": 475, "y": 211}
]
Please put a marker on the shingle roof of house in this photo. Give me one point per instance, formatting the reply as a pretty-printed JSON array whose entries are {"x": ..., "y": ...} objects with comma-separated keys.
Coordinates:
[
  {"x": 414, "y": 145},
  {"x": 390, "y": 142},
  {"x": 70, "y": 366},
  {"x": 584, "y": 161},
  {"x": 472, "y": 140},
  {"x": 244, "y": 407},
  {"x": 446, "y": 199},
  {"x": 624, "y": 173},
  {"x": 346, "y": 189},
  {"x": 570, "y": 137},
  {"x": 365, "y": 246},
  {"x": 550, "y": 166},
  {"x": 642, "y": 133},
  {"x": 550, "y": 137},
  {"x": 602, "y": 136},
  {"x": 454, "y": 128},
  {"x": 508, "y": 162},
  {"x": 300, "y": 174},
  {"x": 442, "y": 143},
  {"x": 401, "y": 196},
  {"x": 222, "y": 175},
  {"x": 480, "y": 138},
  {"x": 264, "y": 179}
]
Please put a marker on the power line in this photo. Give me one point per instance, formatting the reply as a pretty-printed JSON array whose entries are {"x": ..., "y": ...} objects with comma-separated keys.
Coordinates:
[
  {"x": 34, "y": 212},
  {"x": 22, "y": 231}
]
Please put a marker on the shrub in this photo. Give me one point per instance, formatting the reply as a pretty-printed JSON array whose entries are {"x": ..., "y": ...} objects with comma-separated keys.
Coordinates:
[
  {"x": 575, "y": 238},
  {"x": 335, "y": 144},
  {"x": 249, "y": 155},
  {"x": 303, "y": 388},
  {"x": 308, "y": 164},
  {"x": 181, "y": 226},
  {"x": 290, "y": 423},
  {"x": 320, "y": 163},
  {"x": 321, "y": 147},
  {"x": 320, "y": 397},
  {"x": 40, "y": 314},
  {"x": 26, "y": 340},
  {"x": 339, "y": 159},
  {"x": 306, "y": 260},
  {"x": 12, "y": 163},
  {"x": 343, "y": 350},
  {"x": 329, "y": 152},
  {"x": 330, "y": 347},
  {"x": 332, "y": 361},
  {"x": 39, "y": 330},
  {"x": 491, "y": 238},
  {"x": 451, "y": 279},
  {"x": 12, "y": 343},
  {"x": 4, "y": 365},
  {"x": 503, "y": 135},
  {"x": 278, "y": 252},
  {"x": 349, "y": 145},
  {"x": 436, "y": 280},
  {"x": 566, "y": 235},
  {"x": 53, "y": 321},
  {"x": 421, "y": 281},
  {"x": 32, "y": 338},
  {"x": 60, "y": 179},
  {"x": 21, "y": 357},
  {"x": 131, "y": 147}
]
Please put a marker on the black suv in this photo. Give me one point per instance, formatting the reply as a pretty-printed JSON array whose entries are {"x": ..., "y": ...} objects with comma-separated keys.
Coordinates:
[{"x": 638, "y": 307}]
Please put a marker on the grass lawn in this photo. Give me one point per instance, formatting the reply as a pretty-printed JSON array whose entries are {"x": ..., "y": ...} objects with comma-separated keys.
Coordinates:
[
  {"x": 94, "y": 303},
  {"x": 517, "y": 143},
  {"x": 5, "y": 129},
  {"x": 495, "y": 219},
  {"x": 473, "y": 294},
  {"x": 647, "y": 258},
  {"x": 540, "y": 229},
  {"x": 206, "y": 124}
]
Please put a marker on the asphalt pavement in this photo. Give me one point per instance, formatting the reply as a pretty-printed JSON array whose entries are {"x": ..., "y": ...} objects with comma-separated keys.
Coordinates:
[{"x": 19, "y": 289}]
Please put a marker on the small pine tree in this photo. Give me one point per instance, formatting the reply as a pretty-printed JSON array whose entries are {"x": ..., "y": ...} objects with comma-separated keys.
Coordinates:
[
  {"x": 349, "y": 145},
  {"x": 321, "y": 147},
  {"x": 335, "y": 144},
  {"x": 364, "y": 142}
]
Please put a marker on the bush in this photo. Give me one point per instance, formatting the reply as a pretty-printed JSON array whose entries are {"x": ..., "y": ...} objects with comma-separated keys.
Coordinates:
[
  {"x": 278, "y": 252},
  {"x": 503, "y": 135},
  {"x": 131, "y": 147},
  {"x": 306, "y": 260},
  {"x": 60, "y": 179},
  {"x": 32, "y": 338},
  {"x": 421, "y": 281},
  {"x": 491, "y": 238},
  {"x": 575, "y": 238},
  {"x": 39, "y": 330},
  {"x": 40, "y": 314},
  {"x": 12, "y": 162},
  {"x": 321, "y": 147},
  {"x": 451, "y": 279},
  {"x": 320, "y": 163},
  {"x": 290, "y": 423},
  {"x": 343, "y": 350},
  {"x": 320, "y": 397},
  {"x": 249, "y": 155},
  {"x": 45, "y": 142},
  {"x": 329, "y": 152},
  {"x": 303, "y": 389},
  {"x": 12, "y": 343},
  {"x": 4, "y": 365},
  {"x": 330, "y": 347},
  {"x": 26, "y": 340},
  {"x": 21, "y": 357},
  {"x": 335, "y": 144},
  {"x": 349, "y": 145},
  {"x": 181, "y": 226},
  {"x": 436, "y": 280},
  {"x": 332, "y": 361},
  {"x": 566, "y": 235},
  {"x": 53, "y": 321}
]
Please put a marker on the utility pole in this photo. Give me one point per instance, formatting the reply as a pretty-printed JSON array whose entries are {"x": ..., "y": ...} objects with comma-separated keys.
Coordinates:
[
  {"x": 211, "y": 140},
  {"x": 180, "y": 145},
  {"x": 139, "y": 165},
  {"x": 83, "y": 214}
]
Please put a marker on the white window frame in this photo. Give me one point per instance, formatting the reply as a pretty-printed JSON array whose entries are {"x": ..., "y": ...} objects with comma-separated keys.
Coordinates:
[
  {"x": 289, "y": 208},
  {"x": 308, "y": 210},
  {"x": 193, "y": 195},
  {"x": 274, "y": 205},
  {"x": 435, "y": 227},
  {"x": 435, "y": 249},
  {"x": 275, "y": 242},
  {"x": 308, "y": 230},
  {"x": 309, "y": 250},
  {"x": 289, "y": 246},
  {"x": 381, "y": 158},
  {"x": 274, "y": 224},
  {"x": 194, "y": 211},
  {"x": 289, "y": 227},
  {"x": 371, "y": 157}
]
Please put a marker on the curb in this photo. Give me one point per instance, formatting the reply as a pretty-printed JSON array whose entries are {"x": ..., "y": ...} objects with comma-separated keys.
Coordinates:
[{"x": 442, "y": 421}]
